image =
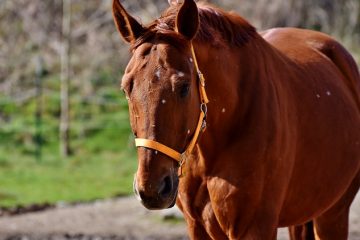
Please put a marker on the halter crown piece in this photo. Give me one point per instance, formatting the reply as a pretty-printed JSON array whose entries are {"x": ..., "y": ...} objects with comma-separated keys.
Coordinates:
[{"x": 181, "y": 157}]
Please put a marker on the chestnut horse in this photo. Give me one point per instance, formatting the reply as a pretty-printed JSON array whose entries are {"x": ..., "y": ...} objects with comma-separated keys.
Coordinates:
[{"x": 282, "y": 141}]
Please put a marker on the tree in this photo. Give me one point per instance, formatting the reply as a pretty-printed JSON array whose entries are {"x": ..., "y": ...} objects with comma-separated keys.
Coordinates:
[{"x": 65, "y": 80}]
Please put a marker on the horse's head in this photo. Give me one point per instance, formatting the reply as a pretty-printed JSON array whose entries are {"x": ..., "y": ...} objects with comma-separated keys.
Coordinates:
[{"x": 161, "y": 85}]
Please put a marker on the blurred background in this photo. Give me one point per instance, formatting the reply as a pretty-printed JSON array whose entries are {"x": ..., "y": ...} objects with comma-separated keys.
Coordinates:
[{"x": 64, "y": 128}]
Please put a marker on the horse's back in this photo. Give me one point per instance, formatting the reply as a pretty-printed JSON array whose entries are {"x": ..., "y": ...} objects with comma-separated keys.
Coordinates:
[
  {"x": 306, "y": 46},
  {"x": 319, "y": 64},
  {"x": 323, "y": 85}
]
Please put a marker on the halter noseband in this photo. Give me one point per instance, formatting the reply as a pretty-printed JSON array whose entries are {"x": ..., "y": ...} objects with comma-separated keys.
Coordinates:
[{"x": 181, "y": 157}]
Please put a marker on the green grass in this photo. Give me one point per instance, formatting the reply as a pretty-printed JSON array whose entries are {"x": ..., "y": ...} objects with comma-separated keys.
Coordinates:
[
  {"x": 103, "y": 161},
  {"x": 81, "y": 178},
  {"x": 102, "y": 166}
]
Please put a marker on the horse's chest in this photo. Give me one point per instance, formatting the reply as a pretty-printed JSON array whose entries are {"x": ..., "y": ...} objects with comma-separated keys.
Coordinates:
[
  {"x": 198, "y": 209},
  {"x": 194, "y": 199}
]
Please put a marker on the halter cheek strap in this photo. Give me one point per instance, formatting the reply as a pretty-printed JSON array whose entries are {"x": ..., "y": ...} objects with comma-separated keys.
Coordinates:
[{"x": 181, "y": 157}]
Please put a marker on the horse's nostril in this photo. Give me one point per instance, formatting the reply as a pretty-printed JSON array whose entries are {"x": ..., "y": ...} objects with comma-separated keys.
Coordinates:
[{"x": 166, "y": 187}]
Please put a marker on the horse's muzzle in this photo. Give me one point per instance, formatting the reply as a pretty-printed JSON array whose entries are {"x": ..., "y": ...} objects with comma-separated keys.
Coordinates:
[{"x": 160, "y": 195}]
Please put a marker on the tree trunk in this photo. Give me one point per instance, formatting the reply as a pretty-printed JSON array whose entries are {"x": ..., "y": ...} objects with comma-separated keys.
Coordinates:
[
  {"x": 38, "y": 113},
  {"x": 65, "y": 80}
]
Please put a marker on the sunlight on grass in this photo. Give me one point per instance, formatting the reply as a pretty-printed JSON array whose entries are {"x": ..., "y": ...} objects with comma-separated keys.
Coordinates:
[
  {"x": 83, "y": 178},
  {"x": 103, "y": 161}
]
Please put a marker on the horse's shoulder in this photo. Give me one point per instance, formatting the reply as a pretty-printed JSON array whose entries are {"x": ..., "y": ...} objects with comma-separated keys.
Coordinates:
[{"x": 308, "y": 46}]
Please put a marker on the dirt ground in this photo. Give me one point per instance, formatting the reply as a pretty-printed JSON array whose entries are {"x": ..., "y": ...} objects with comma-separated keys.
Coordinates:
[{"x": 116, "y": 219}]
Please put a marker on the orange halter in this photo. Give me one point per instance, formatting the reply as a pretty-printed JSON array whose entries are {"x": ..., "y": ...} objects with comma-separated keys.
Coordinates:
[{"x": 181, "y": 157}]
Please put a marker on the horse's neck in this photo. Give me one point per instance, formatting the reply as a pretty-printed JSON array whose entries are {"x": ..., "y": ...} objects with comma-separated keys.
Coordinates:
[{"x": 239, "y": 90}]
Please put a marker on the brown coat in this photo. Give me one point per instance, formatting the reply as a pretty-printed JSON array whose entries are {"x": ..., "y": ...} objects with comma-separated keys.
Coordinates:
[{"x": 282, "y": 145}]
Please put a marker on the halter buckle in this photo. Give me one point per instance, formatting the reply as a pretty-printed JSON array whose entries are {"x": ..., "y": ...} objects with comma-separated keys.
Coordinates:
[
  {"x": 201, "y": 78},
  {"x": 182, "y": 159}
]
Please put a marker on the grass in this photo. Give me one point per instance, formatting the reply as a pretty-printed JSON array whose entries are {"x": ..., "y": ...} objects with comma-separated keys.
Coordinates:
[
  {"x": 80, "y": 178},
  {"x": 103, "y": 161}
]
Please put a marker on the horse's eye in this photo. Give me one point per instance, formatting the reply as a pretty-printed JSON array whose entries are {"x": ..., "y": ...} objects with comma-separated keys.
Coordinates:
[{"x": 184, "y": 90}]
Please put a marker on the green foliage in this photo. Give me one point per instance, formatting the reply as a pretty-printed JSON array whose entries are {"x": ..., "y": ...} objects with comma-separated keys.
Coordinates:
[
  {"x": 81, "y": 178},
  {"x": 103, "y": 160}
]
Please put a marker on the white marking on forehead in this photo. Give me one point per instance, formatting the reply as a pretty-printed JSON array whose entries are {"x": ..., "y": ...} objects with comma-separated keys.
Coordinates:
[
  {"x": 163, "y": 101},
  {"x": 191, "y": 60},
  {"x": 328, "y": 93},
  {"x": 180, "y": 74},
  {"x": 318, "y": 95},
  {"x": 223, "y": 110},
  {"x": 188, "y": 132},
  {"x": 156, "y": 152}
]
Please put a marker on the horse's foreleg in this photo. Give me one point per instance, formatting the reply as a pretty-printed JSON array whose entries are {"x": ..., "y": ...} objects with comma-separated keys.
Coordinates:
[
  {"x": 302, "y": 232},
  {"x": 197, "y": 231},
  {"x": 199, "y": 228},
  {"x": 239, "y": 219},
  {"x": 208, "y": 228},
  {"x": 333, "y": 224},
  {"x": 257, "y": 232}
]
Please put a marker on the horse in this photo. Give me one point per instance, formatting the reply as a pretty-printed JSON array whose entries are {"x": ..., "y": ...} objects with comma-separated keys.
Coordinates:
[{"x": 245, "y": 131}]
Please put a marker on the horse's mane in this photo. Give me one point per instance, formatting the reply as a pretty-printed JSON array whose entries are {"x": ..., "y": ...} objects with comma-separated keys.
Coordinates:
[{"x": 217, "y": 27}]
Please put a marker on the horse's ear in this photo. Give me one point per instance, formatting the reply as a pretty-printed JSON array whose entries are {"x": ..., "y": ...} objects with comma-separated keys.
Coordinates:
[
  {"x": 129, "y": 28},
  {"x": 187, "y": 20}
]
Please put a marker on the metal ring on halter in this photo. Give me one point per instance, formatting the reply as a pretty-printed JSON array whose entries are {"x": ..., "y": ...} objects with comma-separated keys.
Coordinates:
[
  {"x": 203, "y": 125},
  {"x": 203, "y": 108}
]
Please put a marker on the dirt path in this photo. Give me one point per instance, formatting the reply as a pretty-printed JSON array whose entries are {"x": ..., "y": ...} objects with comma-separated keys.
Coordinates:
[{"x": 122, "y": 218}]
